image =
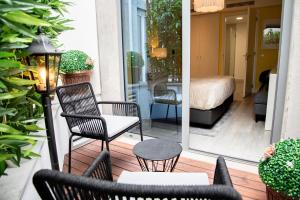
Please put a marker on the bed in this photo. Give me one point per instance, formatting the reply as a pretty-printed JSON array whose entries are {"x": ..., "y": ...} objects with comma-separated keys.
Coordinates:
[{"x": 210, "y": 98}]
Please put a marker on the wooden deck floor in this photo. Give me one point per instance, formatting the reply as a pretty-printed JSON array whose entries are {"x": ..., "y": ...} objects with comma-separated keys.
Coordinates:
[{"x": 249, "y": 185}]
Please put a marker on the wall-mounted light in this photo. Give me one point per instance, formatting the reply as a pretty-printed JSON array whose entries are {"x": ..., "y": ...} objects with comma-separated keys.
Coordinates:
[
  {"x": 154, "y": 42},
  {"x": 159, "y": 52},
  {"x": 239, "y": 18},
  {"x": 208, "y": 5}
]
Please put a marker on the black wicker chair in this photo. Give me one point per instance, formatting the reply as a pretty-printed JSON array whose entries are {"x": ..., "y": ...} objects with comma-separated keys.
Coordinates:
[
  {"x": 54, "y": 185},
  {"x": 163, "y": 95},
  {"x": 84, "y": 118}
]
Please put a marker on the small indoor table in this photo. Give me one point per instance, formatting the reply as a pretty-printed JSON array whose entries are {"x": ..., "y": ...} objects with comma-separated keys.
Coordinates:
[{"x": 157, "y": 155}]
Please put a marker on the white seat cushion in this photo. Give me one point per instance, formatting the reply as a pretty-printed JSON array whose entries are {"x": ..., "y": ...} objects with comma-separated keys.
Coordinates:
[
  {"x": 163, "y": 178},
  {"x": 169, "y": 98},
  {"x": 114, "y": 123}
]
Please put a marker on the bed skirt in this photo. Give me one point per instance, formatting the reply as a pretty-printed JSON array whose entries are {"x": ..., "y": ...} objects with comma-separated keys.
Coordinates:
[{"x": 207, "y": 118}]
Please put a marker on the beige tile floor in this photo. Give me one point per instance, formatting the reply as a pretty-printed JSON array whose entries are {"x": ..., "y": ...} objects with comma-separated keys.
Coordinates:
[{"x": 236, "y": 134}]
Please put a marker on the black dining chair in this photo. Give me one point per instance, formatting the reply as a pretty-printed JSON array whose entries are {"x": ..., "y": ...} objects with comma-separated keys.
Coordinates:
[{"x": 84, "y": 118}]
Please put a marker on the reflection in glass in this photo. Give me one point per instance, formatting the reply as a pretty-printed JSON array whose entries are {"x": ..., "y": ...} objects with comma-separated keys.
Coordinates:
[{"x": 152, "y": 47}]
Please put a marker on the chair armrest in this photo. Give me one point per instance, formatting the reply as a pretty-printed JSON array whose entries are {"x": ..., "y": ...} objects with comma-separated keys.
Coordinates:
[
  {"x": 222, "y": 176},
  {"x": 63, "y": 114},
  {"x": 169, "y": 92},
  {"x": 123, "y": 108},
  {"x": 88, "y": 124},
  {"x": 100, "y": 168}
]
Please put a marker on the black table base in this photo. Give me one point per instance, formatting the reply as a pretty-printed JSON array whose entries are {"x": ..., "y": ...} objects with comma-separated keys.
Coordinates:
[{"x": 158, "y": 165}]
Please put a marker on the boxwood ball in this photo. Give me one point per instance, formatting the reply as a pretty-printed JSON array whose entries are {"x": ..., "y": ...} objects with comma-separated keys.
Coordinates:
[
  {"x": 281, "y": 171},
  {"x": 75, "y": 60}
]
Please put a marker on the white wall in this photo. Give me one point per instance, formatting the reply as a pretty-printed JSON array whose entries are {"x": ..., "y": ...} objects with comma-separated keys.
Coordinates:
[
  {"x": 290, "y": 126},
  {"x": 241, "y": 49},
  {"x": 110, "y": 47},
  {"x": 83, "y": 37}
]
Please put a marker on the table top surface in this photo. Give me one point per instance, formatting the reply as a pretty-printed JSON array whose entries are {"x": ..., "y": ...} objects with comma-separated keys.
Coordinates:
[{"x": 157, "y": 149}]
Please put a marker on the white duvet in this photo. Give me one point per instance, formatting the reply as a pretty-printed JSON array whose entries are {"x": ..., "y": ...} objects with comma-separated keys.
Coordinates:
[{"x": 210, "y": 92}]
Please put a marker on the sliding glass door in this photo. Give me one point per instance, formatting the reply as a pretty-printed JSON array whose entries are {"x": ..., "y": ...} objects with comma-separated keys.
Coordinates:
[{"x": 152, "y": 52}]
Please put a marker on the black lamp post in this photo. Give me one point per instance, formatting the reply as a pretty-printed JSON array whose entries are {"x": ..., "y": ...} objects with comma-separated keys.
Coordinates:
[{"x": 46, "y": 58}]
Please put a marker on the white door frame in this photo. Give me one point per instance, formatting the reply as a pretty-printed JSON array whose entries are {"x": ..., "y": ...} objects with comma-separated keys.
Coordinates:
[
  {"x": 186, "y": 57},
  {"x": 283, "y": 63}
]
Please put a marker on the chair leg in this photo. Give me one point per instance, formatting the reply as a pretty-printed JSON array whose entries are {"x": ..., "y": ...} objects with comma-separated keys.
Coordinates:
[
  {"x": 151, "y": 107},
  {"x": 70, "y": 153},
  {"x": 167, "y": 111},
  {"x": 176, "y": 114},
  {"x": 102, "y": 145},
  {"x": 141, "y": 131},
  {"x": 107, "y": 146}
]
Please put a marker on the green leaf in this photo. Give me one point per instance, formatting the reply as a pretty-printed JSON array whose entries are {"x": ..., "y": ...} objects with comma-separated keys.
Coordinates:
[
  {"x": 8, "y": 8},
  {"x": 2, "y": 85},
  {"x": 13, "y": 38},
  {"x": 5, "y": 156},
  {"x": 31, "y": 139},
  {"x": 7, "y": 111},
  {"x": 32, "y": 120},
  {"x": 6, "y": 64},
  {"x": 19, "y": 28},
  {"x": 19, "y": 81},
  {"x": 3, "y": 167},
  {"x": 13, "y": 142},
  {"x": 23, "y": 18},
  {"x": 31, "y": 154},
  {"x": 4, "y": 128},
  {"x": 8, "y": 2},
  {"x": 35, "y": 102},
  {"x": 5, "y": 54},
  {"x": 8, "y": 46},
  {"x": 31, "y": 3},
  {"x": 12, "y": 95},
  {"x": 32, "y": 127}
]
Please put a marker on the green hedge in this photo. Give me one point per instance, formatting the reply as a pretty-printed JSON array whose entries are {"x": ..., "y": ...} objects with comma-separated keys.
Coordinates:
[
  {"x": 74, "y": 60},
  {"x": 281, "y": 171}
]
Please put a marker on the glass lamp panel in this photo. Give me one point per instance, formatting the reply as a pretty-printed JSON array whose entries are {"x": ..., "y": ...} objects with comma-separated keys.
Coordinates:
[
  {"x": 40, "y": 75},
  {"x": 53, "y": 61}
]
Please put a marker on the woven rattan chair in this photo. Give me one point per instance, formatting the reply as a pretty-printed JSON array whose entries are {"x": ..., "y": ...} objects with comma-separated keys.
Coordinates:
[
  {"x": 84, "y": 118},
  {"x": 163, "y": 95},
  {"x": 55, "y": 185}
]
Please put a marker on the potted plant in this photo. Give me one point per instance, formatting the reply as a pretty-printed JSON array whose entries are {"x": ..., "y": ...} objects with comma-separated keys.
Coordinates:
[
  {"x": 135, "y": 62},
  {"x": 280, "y": 170},
  {"x": 76, "y": 67}
]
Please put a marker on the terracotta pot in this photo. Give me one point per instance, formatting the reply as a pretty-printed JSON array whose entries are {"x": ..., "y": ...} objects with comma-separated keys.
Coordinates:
[
  {"x": 76, "y": 77},
  {"x": 273, "y": 195}
]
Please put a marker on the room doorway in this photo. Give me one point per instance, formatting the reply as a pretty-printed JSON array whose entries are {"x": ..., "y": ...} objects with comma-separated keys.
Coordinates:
[
  {"x": 231, "y": 88},
  {"x": 235, "y": 51}
]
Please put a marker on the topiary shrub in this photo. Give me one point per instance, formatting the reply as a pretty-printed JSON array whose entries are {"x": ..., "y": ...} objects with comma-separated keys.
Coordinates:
[
  {"x": 134, "y": 59},
  {"x": 74, "y": 61},
  {"x": 280, "y": 168}
]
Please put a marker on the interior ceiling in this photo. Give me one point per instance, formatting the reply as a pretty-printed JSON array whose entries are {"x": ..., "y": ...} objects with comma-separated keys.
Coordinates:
[
  {"x": 236, "y": 4},
  {"x": 235, "y": 19}
]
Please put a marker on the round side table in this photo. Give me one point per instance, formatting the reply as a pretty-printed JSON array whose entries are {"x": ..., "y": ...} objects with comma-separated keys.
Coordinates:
[{"x": 157, "y": 155}]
